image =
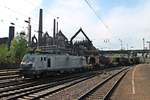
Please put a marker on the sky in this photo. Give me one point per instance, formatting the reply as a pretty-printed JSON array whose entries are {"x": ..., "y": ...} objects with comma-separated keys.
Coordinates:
[{"x": 119, "y": 20}]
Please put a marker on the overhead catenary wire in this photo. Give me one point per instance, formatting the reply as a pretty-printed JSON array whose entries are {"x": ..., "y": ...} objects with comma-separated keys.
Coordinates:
[
  {"x": 98, "y": 16},
  {"x": 30, "y": 3},
  {"x": 16, "y": 18}
]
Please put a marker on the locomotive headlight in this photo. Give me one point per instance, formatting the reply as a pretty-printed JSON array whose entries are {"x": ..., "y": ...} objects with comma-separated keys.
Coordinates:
[{"x": 26, "y": 65}]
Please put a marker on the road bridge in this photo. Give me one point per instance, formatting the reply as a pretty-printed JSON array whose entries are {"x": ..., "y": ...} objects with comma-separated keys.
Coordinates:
[{"x": 123, "y": 51}]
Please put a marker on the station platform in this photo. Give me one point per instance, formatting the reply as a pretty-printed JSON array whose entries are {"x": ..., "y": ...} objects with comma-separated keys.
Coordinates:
[{"x": 135, "y": 85}]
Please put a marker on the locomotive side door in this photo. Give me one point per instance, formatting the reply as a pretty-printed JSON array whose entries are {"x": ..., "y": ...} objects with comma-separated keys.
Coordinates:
[{"x": 48, "y": 62}]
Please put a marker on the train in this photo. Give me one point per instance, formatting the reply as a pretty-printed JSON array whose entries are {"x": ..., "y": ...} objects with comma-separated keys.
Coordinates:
[
  {"x": 44, "y": 64},
  {"x": 37, "y": 65},
  {"x": 55, "y": 61},
  {"x": 119, "y": 61}
]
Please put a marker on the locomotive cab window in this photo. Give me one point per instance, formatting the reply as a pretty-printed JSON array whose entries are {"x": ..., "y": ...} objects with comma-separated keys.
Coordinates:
[
  {"x": 44, "y": 58},
  {"x": 48, "y": 62}
]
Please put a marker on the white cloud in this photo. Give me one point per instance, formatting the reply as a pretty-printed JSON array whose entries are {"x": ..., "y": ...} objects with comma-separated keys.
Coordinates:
[
  {"x": 16, "y": 11},
  {"x": 75, "y": 14},
  {"x": 128, "y": 24},
  {"x": 131, "y": 25}
]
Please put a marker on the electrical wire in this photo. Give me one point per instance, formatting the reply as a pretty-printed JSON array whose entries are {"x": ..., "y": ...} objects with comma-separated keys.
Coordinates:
[
  {"x": 18, "y": 13},
  {"x": 90, "y": 6}
]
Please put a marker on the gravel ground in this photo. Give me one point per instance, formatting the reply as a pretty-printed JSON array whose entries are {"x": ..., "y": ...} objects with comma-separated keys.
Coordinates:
[{"x": 77, "y": 90}]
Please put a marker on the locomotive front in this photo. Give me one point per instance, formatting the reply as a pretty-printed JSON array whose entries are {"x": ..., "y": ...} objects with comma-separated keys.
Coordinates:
[{"x": 26, "y": 66}]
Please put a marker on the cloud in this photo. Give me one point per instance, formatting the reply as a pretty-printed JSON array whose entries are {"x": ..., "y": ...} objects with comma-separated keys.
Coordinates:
[
  {"x": 16, "y": 11},
  {"x": 129, "y": 24},
  {"x": 75, "y": 14}
]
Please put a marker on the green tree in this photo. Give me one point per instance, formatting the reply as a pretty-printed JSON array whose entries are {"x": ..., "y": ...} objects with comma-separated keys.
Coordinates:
[
  {"x": 3, "y": 53},
  {"x": 18, "y": 47}
]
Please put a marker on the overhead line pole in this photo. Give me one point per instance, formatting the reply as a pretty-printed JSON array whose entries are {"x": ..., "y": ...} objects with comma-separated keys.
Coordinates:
[
  {"x": 148, "y": 44},
  {"x": 29, "y": 31}
]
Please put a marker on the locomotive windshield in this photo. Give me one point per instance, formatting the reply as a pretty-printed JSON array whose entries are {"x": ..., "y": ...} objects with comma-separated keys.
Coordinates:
[{"x": 28, "y": 58}]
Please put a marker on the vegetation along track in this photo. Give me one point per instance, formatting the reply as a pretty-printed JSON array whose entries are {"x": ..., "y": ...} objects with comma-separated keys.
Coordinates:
[
  {"x": 69, "y": 90},
  {"x": 15, "y": 92}
]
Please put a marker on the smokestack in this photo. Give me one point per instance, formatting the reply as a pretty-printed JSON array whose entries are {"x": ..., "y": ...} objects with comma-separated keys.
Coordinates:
[
  {"x": 40, "y": 31},
  {"x": 11, "y": 35},
  {"x": 57, "y": 25},
  {"x": 54, "y": 32}
]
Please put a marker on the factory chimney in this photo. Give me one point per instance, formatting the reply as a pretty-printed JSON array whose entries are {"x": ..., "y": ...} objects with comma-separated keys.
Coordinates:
[
  {"x": 11, "y": 35},
  {"x": 54, "y": 31},
  {"x": 57, "y": 24},
  {"x": 40, "y": 31}
]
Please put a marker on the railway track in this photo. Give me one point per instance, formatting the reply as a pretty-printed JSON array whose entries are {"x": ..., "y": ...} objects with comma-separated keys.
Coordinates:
[
  {"x": 13, "y": 82},
  {"x": 9, "y": 72},
  {"x": 104, "y": 89},
  {"x": 3, "y": 70},
  {"x": 14, "y": 92},
  {"x": 9, "y": 77},
  {"x": 72, "y": 91},
  {"x": 68, "y": 87},
  {"x": 59, "y": 91}
]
